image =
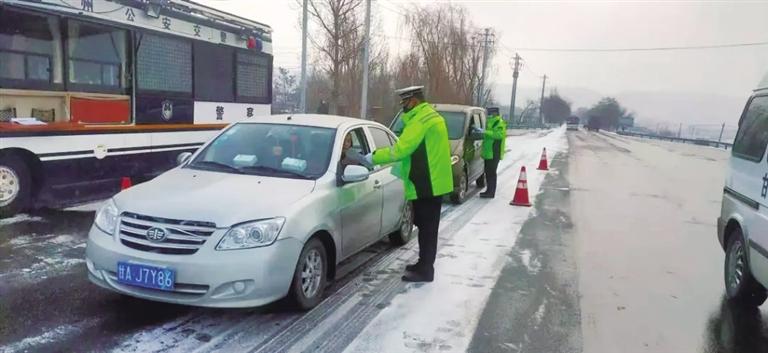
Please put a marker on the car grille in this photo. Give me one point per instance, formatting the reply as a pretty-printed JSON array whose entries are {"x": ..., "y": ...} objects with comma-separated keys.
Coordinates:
[{"x": 182, "y": 237}]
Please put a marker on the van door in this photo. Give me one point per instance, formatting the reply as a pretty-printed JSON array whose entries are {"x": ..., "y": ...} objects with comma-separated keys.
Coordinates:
[
  {"x": 748, "y": 181},
  {"x": 477, "y": 166}
]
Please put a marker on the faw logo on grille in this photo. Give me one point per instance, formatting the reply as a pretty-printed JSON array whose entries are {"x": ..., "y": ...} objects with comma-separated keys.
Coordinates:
[{"x": 156, "y": 235}]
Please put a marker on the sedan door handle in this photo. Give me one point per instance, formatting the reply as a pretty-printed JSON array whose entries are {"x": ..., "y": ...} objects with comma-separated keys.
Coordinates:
[{"x": 377, "y": 184}]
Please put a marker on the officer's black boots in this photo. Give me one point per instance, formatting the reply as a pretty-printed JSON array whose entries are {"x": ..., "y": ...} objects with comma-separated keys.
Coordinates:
[{"x": 419, "y": 275}]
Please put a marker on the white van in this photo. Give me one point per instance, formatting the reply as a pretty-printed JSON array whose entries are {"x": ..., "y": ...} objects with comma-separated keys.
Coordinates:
[{"x": 742, "y": 227}]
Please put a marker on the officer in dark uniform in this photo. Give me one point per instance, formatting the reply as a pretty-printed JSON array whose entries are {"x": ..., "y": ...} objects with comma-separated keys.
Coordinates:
[{"x": 425, "y": 154}]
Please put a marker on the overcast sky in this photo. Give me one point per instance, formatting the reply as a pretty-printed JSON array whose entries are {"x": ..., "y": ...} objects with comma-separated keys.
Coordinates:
[{"x": 730, "y": 73}]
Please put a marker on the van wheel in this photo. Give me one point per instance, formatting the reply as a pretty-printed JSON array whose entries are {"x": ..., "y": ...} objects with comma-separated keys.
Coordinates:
[
  {"x": 15, "y": 185},
  {"x": 460, "y": 195},
  {"x": 309, "y": 279},
  {"x": 480, "y": 181},
  {"x": 403, "y": 235},
  {"x": 740, "y": 286}
]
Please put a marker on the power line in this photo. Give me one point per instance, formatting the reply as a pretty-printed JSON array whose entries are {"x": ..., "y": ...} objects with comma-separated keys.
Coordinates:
[
  {"x": 614, "y": 50},
  {"x": 398, "y": 12}
]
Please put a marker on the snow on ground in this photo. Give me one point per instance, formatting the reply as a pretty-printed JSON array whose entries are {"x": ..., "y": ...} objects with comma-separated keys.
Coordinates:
[
  {"x": 42, "y": 256},
  {"x": 18, "y": 219},
  {"x": 88, "y": 207},
  {"x": 443, "y": 315},
  {"x": 51, "y": 335}
]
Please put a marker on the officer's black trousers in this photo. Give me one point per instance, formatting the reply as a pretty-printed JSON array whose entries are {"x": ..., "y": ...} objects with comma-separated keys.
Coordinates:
[
  {"x": 426, "y": 216},
  {"x": 490, "y": 175}
]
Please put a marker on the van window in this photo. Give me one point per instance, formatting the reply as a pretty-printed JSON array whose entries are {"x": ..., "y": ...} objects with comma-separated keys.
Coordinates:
[
  {"x": 752, "y": 137},
  {"x": 454, "y": 121}
]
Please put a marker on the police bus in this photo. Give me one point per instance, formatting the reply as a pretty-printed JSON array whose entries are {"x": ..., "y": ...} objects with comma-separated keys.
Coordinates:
[{"x": 96, "y": 91}]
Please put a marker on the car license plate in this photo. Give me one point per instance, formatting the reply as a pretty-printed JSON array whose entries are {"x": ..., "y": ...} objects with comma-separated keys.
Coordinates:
[{"x": 146, "y": 276}]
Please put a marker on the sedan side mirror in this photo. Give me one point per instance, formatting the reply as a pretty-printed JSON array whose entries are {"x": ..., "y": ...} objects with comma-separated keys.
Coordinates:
[
  {"x": 183, "y": 157},
  {"x": 355, "y": 173}
]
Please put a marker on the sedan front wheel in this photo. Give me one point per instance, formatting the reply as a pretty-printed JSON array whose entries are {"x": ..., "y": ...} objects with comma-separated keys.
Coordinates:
[{"x": 309, "y": 279}]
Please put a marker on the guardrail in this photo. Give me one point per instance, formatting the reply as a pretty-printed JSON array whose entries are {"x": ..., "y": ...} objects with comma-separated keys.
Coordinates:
[{"x": 700, "y": 142}]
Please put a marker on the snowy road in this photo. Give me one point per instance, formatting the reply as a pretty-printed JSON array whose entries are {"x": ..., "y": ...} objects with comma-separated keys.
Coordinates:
[
  {"x": 47, "y": 304},
  {"x": 618, "y": 254},
  {"x": 621, "y": 256}
]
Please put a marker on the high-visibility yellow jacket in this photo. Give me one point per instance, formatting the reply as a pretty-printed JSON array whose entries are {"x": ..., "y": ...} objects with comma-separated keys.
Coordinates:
[
  {"x": 494, "y": 138},
  {"x": 424, "y": 151}
]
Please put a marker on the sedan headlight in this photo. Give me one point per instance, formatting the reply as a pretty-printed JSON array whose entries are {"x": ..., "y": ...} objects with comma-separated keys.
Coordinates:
[
  {"x": 106, "y": 218},
  {"x": 252, "y": 234}
]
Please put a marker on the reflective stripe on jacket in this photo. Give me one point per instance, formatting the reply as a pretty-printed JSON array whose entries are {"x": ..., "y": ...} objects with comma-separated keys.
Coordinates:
[{"x": 424, "y": 151}]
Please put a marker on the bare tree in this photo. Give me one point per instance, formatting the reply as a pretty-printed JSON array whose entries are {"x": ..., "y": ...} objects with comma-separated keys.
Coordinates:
[
  {"x": 338, "y": 41},
  {"x": 446, "y": 55}
]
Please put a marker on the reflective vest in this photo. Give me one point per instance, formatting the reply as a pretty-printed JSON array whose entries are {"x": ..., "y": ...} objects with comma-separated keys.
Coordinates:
[
  {"x": 494, "y": 138},
  {"x": 424, "y": 152}
]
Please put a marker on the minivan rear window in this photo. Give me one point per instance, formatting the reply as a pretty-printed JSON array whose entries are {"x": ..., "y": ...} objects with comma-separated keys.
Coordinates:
[
  {"x": 752, "y": 138},
  {"x": 454, "y": 121}
]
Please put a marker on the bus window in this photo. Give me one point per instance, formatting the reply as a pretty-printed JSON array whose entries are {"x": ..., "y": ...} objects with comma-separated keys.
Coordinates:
[
  {"x": 214, "y": 72},
  {"x": 253, "y": 78},
  {"x": 164, "y": 64},
  {"x": 96, "y": 58},
  {"x": 30, "y": 50}
]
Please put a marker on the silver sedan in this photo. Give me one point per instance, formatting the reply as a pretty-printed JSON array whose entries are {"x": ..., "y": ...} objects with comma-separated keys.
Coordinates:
[{"x": 266, "y": 209}]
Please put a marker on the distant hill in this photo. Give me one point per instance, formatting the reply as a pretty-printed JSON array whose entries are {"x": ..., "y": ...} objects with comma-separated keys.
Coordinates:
[{"x": 650, "y": 107}]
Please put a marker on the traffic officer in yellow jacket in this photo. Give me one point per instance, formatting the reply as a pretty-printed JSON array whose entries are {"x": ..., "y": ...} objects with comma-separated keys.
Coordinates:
[
  {"x": 494, "y": 141},
  {"x": 425, "y": 154}
]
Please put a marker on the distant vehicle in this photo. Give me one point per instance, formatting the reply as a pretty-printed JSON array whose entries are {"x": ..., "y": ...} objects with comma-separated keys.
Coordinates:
[
  {"x": 743, "y": 221},
  {"x": 593, "y": 125},
  {"x": 267, "y": 208},
  {"x": 466, "y": 152},
  {"x": 572, "y": 123}
]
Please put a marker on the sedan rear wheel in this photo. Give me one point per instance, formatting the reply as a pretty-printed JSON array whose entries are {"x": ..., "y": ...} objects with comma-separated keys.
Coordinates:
[
  {"x": 403, "y": 235},
  {"x": 309, "y": 279}
]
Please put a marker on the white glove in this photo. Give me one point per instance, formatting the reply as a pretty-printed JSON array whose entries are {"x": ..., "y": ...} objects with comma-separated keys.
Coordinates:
[
  {"x": 477, "y": 130},
  {"x": 368, "y": 160}
]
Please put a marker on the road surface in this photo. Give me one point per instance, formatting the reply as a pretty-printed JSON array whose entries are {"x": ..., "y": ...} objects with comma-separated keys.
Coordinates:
[{"x": 618, "y": 254}]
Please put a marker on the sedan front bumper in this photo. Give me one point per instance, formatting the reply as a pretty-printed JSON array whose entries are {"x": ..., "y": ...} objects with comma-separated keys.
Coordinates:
[{"x": 234, "y": 278}]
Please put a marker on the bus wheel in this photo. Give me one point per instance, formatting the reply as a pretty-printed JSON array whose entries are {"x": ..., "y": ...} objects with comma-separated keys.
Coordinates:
[{"x": 15, "y": 185}]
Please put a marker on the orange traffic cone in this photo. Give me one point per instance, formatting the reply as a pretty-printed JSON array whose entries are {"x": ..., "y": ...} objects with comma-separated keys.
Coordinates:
[
  {"x": 521, "y": 193},
  {"x": 125, "y": 183},
  {"x": 543, "y": 165}
]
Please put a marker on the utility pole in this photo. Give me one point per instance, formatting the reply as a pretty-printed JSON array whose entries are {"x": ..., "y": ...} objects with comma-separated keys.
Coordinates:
[
  {"x": 487, "y": 41},
  {"x": 366, "y": 48},
  {"x": 541, "y": 101},
  {"x": 515, "y": 74},
  {"x": 680, "y": 131},
  {"x": 303, "y": 98},
  {"x": 722, "y": 129}
]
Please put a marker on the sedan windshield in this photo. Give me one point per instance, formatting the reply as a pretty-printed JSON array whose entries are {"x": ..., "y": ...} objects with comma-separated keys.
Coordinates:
[
  {"x": 453, "y": 120},
  {"x": 270, "y": 150}
]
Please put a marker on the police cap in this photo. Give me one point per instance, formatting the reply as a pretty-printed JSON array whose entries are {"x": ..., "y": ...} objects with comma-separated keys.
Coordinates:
[
  {"x": 492, "y": 111},
  {"x": 409, "y": 92}
]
